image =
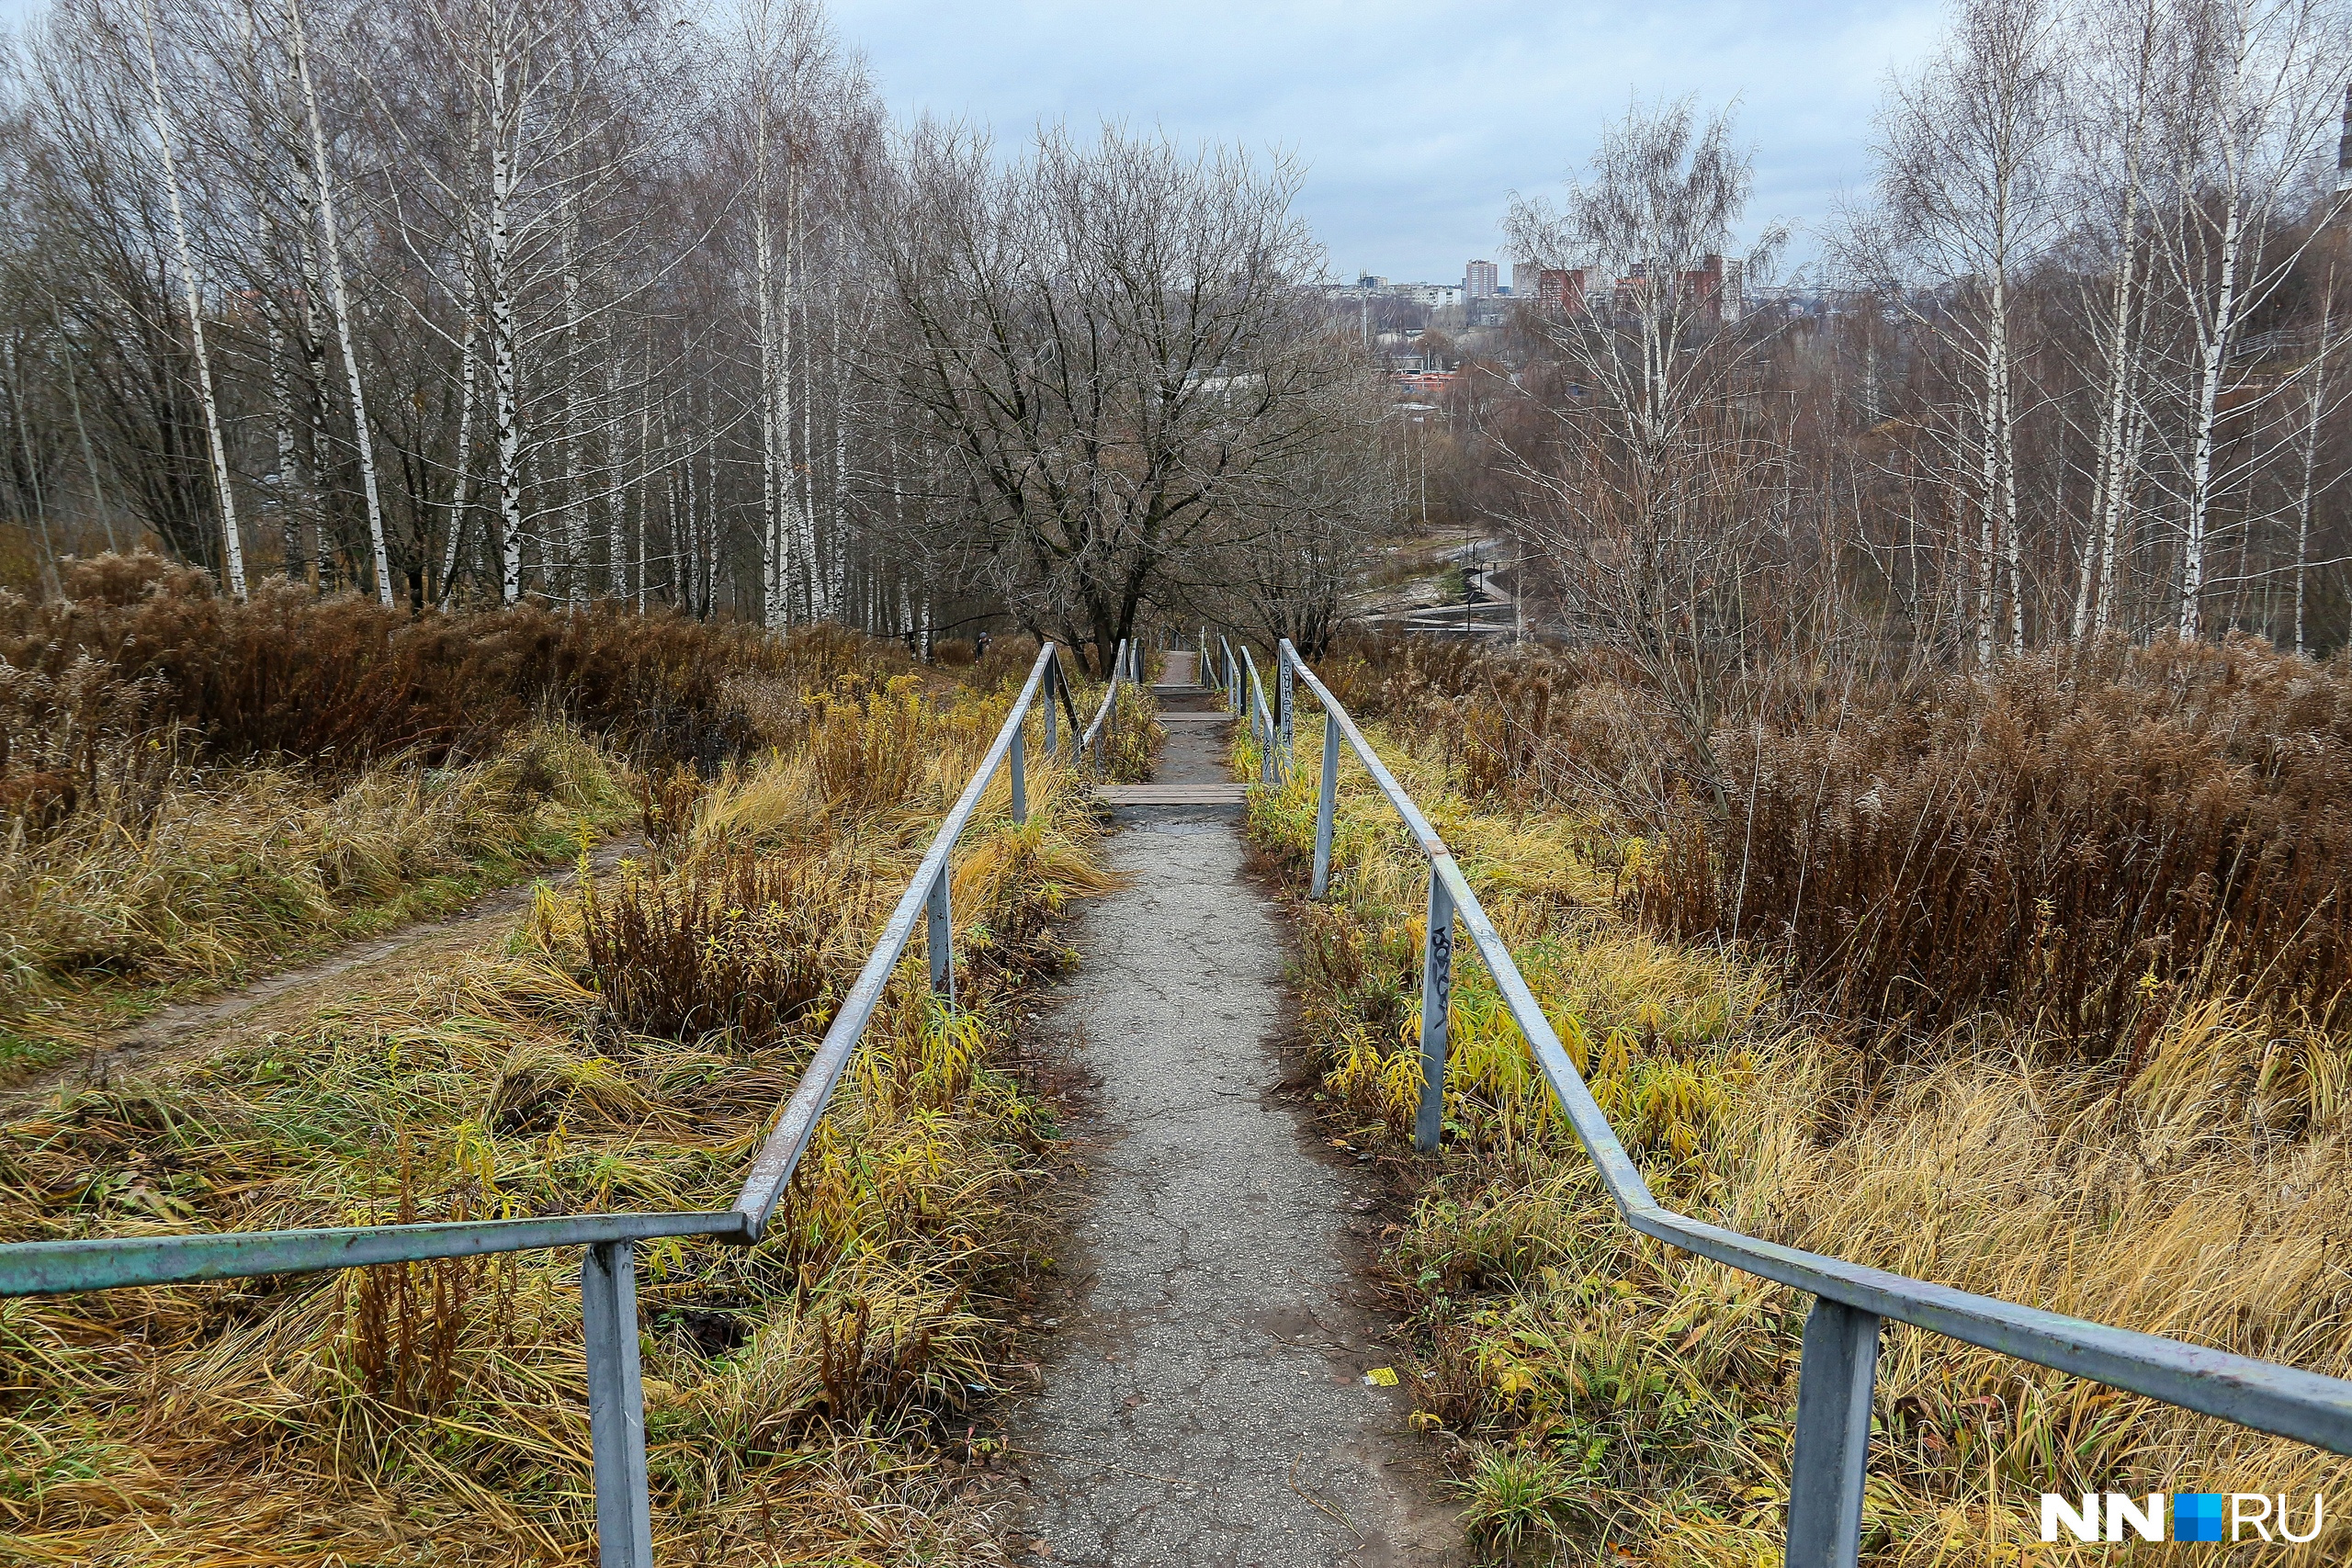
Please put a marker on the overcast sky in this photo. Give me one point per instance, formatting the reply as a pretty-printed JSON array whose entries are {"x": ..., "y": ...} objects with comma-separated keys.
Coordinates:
[{"x": 1416, "y": 122}]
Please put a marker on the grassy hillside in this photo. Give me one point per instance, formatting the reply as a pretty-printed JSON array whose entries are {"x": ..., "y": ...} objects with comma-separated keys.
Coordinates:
[
  {"x": 625, "y": 1047},
  {"x": 1601, "y": 1394},
  {"x": 194, "y": 789}
]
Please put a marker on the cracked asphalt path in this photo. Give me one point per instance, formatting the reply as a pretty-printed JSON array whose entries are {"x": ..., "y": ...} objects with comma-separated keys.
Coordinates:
[{"x": 1204, "y": 1398}]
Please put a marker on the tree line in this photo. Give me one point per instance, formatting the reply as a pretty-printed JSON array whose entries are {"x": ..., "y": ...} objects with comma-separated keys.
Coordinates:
[
  {"x": 2072, "y": 364},
  {"x": 474, "y": 301}
]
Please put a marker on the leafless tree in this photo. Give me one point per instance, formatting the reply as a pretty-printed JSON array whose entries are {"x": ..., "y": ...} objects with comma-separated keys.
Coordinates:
[
  {"x": 1644, "y": 485},
  {"x": 1111, "y": 351}
]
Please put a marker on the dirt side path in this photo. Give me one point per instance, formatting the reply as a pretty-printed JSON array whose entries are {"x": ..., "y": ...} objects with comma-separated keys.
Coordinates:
[
  {"x": 173, "y": 1031},
  {"x": 1204, "y": 1401}
]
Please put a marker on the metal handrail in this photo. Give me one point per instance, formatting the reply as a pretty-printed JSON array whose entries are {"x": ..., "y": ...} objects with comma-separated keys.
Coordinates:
[
  {"x": 926, "y": 897},
  {"x": 1093, "y": 741},
  {"x": 1272, "y": 766},
  {"x": 608, "y": 1274},
  {"x": 1850, "y": 1301}
]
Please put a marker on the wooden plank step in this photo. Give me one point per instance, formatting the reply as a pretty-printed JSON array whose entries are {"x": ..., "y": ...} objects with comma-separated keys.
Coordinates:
[
  {"x": 1175, "y": 795},
  {"x": 1196, "y": 718}
]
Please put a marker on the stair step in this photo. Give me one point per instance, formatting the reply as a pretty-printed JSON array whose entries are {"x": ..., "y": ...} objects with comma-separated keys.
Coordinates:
[{"x": 1175, "y": 795}]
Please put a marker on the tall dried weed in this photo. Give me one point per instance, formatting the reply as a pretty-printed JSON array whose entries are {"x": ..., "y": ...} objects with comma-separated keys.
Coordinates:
[{"x": 1609, "y": 1388}]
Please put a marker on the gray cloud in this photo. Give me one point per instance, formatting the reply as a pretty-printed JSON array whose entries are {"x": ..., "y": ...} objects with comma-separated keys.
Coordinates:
[{"x": 1416, "y": 122}]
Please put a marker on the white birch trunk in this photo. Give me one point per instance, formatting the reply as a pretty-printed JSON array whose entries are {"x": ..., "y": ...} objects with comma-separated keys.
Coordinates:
[
  {"x": 2214, "y": 358},
  {"x": 575, "y": 514},
  {"x": 2114, "y": 481},
  {"x": 2007, "y": 436},
  {"x": 281, "y": 418},
  {"x": 773, "y": 564},
  {"x": 505, "y": 347},
  {"x": 802, "y": 466},
  {"x": 1988, "y": 491},
  {"x": 233, "y": 550},
  {"x": 314, "y": 366},
  {"x": 838, "y": 523},
  {"x": 2318, "y": 396},
  {"x": 332, "y": 246},
  {"x": 460, "y": 481}
]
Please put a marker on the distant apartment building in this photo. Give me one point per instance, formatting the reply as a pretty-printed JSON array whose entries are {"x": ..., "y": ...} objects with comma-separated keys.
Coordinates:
[
  {"x": 1562, "y": 288},
  {"x": 1717, "y": 286},
  {"x": 1478, "y": 280},
  {"x": 1524, "y": 278},
  {"x": 1436, "y": 296}
]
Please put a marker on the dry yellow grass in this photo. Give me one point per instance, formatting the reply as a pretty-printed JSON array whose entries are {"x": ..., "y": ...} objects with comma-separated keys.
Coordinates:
[
  {"x": 1606, "y": 1398},
  {"x": 226, "y": 869},
  {"x": 803, "y": 1396}
]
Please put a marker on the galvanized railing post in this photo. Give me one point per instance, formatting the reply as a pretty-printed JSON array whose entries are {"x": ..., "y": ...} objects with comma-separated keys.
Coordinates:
[
  {"x": 1262, "y": 725},
  {"x": 615, "y": 1406},
  {"x": 1437, "y": 1002},
  {"x": 1052, "y": 674},
  {"x": 1327, "y": 806},
  {"x": 1019, "y": 779},
  {"x": 1283, "y": 693},
  {"x": 939, "y": 924},
  {"x": 1833, "y": 1439}
]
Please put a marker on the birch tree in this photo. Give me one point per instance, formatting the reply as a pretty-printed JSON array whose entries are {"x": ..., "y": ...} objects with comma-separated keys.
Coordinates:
[
  {"x": 330, "y": 246},
  {"x": 2256, "y": 101},
  {"x": 1641, "y": 494},
  {"x": 232, "y": 544},
  {"x": 1966, "y": 155}
]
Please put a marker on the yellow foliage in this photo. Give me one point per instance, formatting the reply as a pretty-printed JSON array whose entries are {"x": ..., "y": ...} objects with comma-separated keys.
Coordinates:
[{"x": 1651, "y": 1392}]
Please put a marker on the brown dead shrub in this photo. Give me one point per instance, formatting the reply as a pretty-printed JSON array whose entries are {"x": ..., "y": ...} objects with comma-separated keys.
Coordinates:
[{"x": 2082, "y": 841}]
